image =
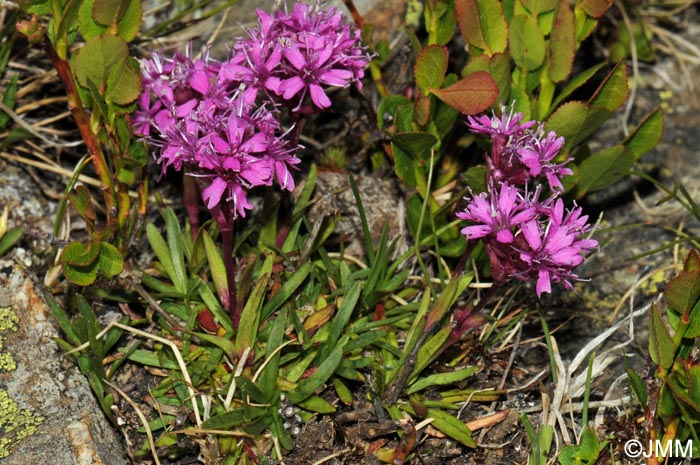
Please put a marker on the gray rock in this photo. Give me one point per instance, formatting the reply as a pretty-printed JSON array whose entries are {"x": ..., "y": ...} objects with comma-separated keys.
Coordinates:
[{"x": 47, "y": 411}]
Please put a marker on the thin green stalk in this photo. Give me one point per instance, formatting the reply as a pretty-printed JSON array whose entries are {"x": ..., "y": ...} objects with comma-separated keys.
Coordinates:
[
  {"x": 420, "y": 223},
  {"x": 550, "y": 349}
]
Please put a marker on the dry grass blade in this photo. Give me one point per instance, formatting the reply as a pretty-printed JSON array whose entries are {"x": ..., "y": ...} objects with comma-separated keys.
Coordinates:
[
  {"x": 171, "y": 344},
  {"x": 141, "y": 416}
]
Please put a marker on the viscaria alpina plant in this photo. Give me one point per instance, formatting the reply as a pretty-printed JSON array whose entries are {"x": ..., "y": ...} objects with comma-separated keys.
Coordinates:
[
  {"x": 218, "y": 122},
  {"x": 527, "y": 235}
]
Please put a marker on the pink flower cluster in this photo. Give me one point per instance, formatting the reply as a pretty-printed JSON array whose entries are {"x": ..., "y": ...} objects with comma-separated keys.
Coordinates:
[
  {"x": 526, "y": 237},
  {"x": 292, "y": 55},
  {"x": 211, "y": 119}
]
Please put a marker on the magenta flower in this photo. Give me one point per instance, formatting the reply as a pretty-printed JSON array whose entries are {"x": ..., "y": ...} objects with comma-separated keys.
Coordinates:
[
  {"x": 520, "y": 152},
  {"x": 525, "y": 237},
  {"x": 497, "y": 212},
  {"x": 556, "y": 246},
  {"x": 210, "y": 131},
  {"x": 292, "y": 56}
]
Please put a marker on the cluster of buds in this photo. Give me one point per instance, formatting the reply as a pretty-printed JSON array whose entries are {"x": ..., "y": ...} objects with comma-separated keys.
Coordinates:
[
  {"x": 219, "y": 121},
  {"x": 527, "y": 235}
]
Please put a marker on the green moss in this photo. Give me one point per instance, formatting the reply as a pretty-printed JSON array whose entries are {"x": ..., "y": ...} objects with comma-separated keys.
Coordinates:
[{"x": 15, "y": 423}]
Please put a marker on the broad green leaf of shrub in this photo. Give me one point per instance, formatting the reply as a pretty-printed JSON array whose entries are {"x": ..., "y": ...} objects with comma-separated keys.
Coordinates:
[
  {"x": 104, "y": 61},
  {"x": 586, "y": 451},
  {"x": 683, "y": 291},
  {"x": 638, "y": 386},
  {"x": 387, "y": 108},
  {"x": 76, "y": 253},
  {"x": 416, "y": 144},
  {"x": 120, "y": 17},
  {"x": 527, "y": 45},
  {"x": 482, "y": 24},
  {"x": 404, "y": 166},
  {"x": 604, "y": 168},
  {"x": 692, "y": 261},
  {"x": 596, "y": 8},
  {"x": 498, "y": 67},
  {"x": 430, "y": 67},
  {"x": 81, "y": 201},
  {"x": 660, "y": 342},
  {"x": 110, "y": 261},
  {"x": 35, "y": 7},
  {"x": 471, "y": 95},
  {"x": 613, "y": 91},
  {"x": 440, "y": 21},
  {"x": 80, "y": 275},
  {"x": 647, "y": 134},
  {"x": 584, "y": 24},
  {"x": 685, "y": 387},
  {"x": 562, "y": 44},
  {"x": 575, "y": 121},
  {"x": 537, "y": 7}
]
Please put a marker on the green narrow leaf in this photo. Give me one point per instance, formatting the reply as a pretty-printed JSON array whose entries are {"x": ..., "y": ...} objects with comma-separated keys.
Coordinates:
[
  {"x": 325, "y": 370},
  {"x": 363, "y": 218},
  {"x": 317, "y": 404},
  {"x": 683, "y": 291},
  {"x": 10, "y": 238},
  {"x": 250, "y": 317},
  {"x": 451, "y": 426},
  {"x": 575, "y": 121},
  {"x": 177, "y": 255},
  {"x": 160, "y": 248},
  {"x": 286, "y": 291},
  {"x": 268, "y": 377},
  {"x": 8, "y": 98},
  {"x": 660, "y": 342},
  {"x": 63, "y": 320},
  {"x": 216, "y": 265},
  {"x": 440, "y": 379},
  {"x": 692, "y": 261},
  {"x": 344, "y": 393},
  {"x": 341, "y": 319}
]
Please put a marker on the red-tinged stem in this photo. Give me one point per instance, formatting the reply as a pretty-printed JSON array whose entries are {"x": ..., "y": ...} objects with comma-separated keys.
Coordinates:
[
  {"x": 190, "y": 198},
  {"x": 82, "y": 120},
  {"x": 224, "y": 216}
]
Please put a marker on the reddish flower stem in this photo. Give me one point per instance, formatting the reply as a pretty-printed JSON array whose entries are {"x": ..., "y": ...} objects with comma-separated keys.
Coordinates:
[
  {"x": 82, "y": 120},
  {"x": 224, "y": 216}
]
